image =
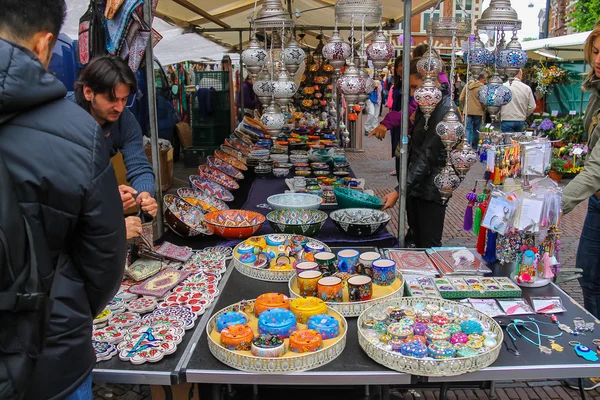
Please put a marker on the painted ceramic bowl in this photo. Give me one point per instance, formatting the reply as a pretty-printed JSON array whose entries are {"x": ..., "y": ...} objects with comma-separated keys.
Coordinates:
[
  {"x": 237, "y": 337},
  {"x": 360, "y": 221},
  {"x": 281, "y": 172},
  {"x": 233, "y": 153},
  {"x": 231, "y": 160},
  {"x": 238, "y": 145},
  {"x": 294, "y": 201},
  {"x": 234, "y": 224},
  {"x": 200, "y": 199},
  {"x": 348, "y": 198},
  {"x": 224, "y": 167},
  {"x": 217, "y": 176},
  {"x": 211, "y": 188},
  {"x": 297, "y": 222},
  {"x": 183, "y": 218}
]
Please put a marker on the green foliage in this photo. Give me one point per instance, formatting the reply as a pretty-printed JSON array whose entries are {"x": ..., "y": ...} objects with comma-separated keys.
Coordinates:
[
  {"x": 586, "y": 13},
  {"x": 529, "y": 39},
  {"x": 558, "y": 165}
]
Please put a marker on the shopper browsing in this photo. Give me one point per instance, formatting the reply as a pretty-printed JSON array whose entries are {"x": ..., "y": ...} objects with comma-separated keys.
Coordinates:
[
  {"x": 514, "y": 114},
  {"x": 67, "y": 192},
  {"x": 475, "y": 109}
]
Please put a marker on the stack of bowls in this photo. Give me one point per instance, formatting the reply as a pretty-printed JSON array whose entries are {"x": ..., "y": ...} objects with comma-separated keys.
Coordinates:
[{"x": 320, "y": 169}]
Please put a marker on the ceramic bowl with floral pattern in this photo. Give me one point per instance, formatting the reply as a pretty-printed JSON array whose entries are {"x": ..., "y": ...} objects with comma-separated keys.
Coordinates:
[{"x": 235, "y": 224}]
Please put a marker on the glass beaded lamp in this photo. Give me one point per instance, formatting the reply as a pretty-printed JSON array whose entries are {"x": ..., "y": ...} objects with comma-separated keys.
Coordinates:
[
  {"x": 428, "y": 97},
  {"x": 369, "y": 83},
  {"x": 263, "y": 87},
  {"x": 272, "y": 15},
  {"x": 293, "y": 55},
  {"x": 478, "y": 57},
  {"x": 494, "y": 95},
  {"x": 512, "y": 58},
  {"x": 336, "y": 51},
  {"x": 463, "y": 158},
  {"x": 430, "y": 64},
  {"x": 450, "y": 129},
  {"x": 254, "y": 57},
  {"x": 273, "y": 119},
  {"x": 446, "y": 182},
  {"x": 380, "y": 51},
  {"x": 351, "y": 84},
  {"x": 284, "y": 87}
]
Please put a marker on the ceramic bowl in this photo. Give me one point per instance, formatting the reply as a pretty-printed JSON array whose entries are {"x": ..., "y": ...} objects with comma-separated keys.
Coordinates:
[
  {"x": 304, "y": 173},
  {"x": 321, "y": 173},
  {"x": 183, "y": 218},
  {"x": 238, "y": 145},
  {"x": 224, "y": 167},
  {"x": 280, "y": 158},
  {"x": 294, "y": 201},
  {"x": 234, "y": 224},
  {"x": 211, "y": 188},
  {"x": 233, "y": 153},
  {"x": 280, "y": 172},
  {"x": 231, "y": 160},
  {"x": 360, "y": 221},
  {"x": 347, "y": 198},
  {"x": 299, "y": 159},
  {"x": 297, "y": 222},
  {"x": 197, "y": 198},
  {"x": 217, "y": 176}
]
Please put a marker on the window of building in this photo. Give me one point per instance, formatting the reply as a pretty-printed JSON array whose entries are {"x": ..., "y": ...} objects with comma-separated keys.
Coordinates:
[
  {"x": 466, "y": 4},
  {"x": 425, "y": 18}
]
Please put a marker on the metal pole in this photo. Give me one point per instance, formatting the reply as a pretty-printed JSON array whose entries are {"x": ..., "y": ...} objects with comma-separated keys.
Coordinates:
[
  {"x": 581, "y": 96},
  {"x": 404, "y": 127},
  {"x": 241, "y": 80},
  {"x": 151, "y": 87}
]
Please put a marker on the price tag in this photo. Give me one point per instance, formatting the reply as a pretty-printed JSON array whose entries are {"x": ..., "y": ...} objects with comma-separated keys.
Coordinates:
[
  {"x": 572, "y": 112},
  {"x": 529, "y": 133},
  {"x": 577, "y": 151},
  {"x": 555, "y": 113}
]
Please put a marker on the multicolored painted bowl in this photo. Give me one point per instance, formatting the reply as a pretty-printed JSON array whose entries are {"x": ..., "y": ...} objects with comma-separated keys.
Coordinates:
[
  {"x": 217, "y": 176},
  {"x": 238, "y": 145},
  {"x": 231, "y": 160},
  {"x": 360, "y": 221},
  {"x": 224, "y": 167},
  {"x": 348, "y": 198},
  {"x": 201, "y": 199},
  {"x": 295, "y": 201},
  {"x": 211, "y": 188},
  {"x": 234, "y": 224},
  {"x": 297, "y": 222},
  {"x": 232, "y": 153},
  {"x": 183, "y": 218}
]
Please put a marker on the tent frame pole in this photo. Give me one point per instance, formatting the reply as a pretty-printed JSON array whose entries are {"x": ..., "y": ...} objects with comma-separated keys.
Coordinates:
[
  {"x": 241, "y": 112},
  {"x": 151, "y": 87},
  {"x": 405, "y": 119}
]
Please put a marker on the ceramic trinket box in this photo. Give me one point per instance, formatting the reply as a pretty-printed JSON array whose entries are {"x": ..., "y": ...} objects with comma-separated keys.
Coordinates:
[{"x": 277, "y": 321}]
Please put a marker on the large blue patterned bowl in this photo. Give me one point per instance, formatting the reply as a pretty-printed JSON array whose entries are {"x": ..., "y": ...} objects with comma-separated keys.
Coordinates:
[
  {"x": 348, "y": 198},
  {"x": 297, "y": 222},
  {"x": 360, "y": 221}
]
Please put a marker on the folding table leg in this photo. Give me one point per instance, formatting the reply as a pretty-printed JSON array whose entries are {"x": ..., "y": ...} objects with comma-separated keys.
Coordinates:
[
  {"x": 581, "y": 390},
  {"x": 444, "y": 391},
  {"x": 216, "y": 392},
  {"x": 385, "y": 392},
  {"x": 492, "y": 390},
  {"x": 168, "y": 392}
]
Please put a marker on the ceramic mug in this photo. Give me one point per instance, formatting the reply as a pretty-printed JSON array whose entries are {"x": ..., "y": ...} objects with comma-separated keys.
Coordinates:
[
  {"x": 308, "y": 283},
  {"x": 327, "y": 263},
  {"x": 384, "y": 272},
  {"x": 365, "y": 263},
  {"x": 330, "y": 288},
  {"x": 306, "y": 266},
  {"x": 347, "y": 260},
  {"x": 360, "y": 288}
]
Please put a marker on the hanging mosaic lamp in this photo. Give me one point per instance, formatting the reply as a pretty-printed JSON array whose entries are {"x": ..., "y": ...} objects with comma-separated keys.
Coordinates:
[
  {"x": 430, "y": 64},
  {"x": 351, "y": 84},
  {"x": 284, "y": 87},
  {"x": 479, "y": 57},
  {"x": 498, "y": 16},
  {"x": 446, "y": 182},
  {"x": 272, "y": 15},
  {"x": 293, "y": 55},
  {"x": 512, "y": 58},
  {"x": 273, "y": 119},
  {"x": 428, "y": 97},
  {"x": 380, "y": 51},
  {"x": 367, "y": 11},
  {"x": 450, "y": 129},
  {"x": 369, "y": 83},
  {"x": 254, "y": 57},
  {"x": 336, "y": 51},
  {"x": 494, "y": 95},
  {"x": 463, "y": 158},
  {"x": 263, "y": 87}
]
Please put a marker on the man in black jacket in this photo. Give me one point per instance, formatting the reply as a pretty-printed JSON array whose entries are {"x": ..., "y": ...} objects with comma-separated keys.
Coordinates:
[
  {"x": 425, "y": 210},
  {"x": 66, "y": 186}
]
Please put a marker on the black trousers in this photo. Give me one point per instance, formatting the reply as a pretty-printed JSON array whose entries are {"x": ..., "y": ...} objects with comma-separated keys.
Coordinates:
[{"x": 425, "y": 222}]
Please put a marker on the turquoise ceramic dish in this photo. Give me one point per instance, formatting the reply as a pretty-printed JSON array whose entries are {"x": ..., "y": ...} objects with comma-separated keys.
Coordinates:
[
  {"x": 347, "y": 198},
  {"x": 297, "y": 222}
]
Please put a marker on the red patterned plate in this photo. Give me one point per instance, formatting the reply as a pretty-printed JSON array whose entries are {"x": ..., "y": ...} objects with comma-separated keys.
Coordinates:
[
  {"x": 231, "y": 159},
  {"x": 224, "y": 167},
  {"x": 124, "y": 320},
  {"x": 217, "y": 176}
]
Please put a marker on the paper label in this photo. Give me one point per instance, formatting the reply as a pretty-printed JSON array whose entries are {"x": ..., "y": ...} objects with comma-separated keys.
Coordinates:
[
  {"x": 577, "y": 151},
  {"x": 531, "y": 213},
  {"x": 554, "y": 113},
  {"x": 572, "y": 112}
]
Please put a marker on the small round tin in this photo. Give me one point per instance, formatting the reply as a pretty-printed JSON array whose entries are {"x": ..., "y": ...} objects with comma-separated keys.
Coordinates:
[
  {"x": 396, "y": 345},
  {"x": 305, "y": 341},
  {"x": 434, "y": 335},
  {"x": 244, "y": 248},
  {"x": 452, "y": 328},
  {"x": 470, "y": 327},
  {"x": 419, "y": 329},
  {"x": 326, "y": 325},
  {"x": 269, "y": 346},
  {"x": 314, "y": 247},
  {"x": 275, "y": 240},
  {"x": 248, "y": 258},
  {"x": 399, "y": 331},
  {"x": 459, "y": 338}
]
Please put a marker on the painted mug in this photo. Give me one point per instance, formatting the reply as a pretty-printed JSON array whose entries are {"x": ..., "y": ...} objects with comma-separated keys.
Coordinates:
[
  {"x": 384, "y": 272},
  {"x": 330, "y": 289},
  {"x": 327, "y": 263},
  {"x": 365, "y": 262},
  {"x": 347, "y": 260},
  {"x": 360, "y": 288},
  {"x": 308, "y": 283},
  {"x": 306, "y": 266}
]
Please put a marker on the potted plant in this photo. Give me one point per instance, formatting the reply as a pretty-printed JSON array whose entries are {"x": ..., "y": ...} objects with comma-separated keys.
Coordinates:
[{"x": 557, "y": 169}]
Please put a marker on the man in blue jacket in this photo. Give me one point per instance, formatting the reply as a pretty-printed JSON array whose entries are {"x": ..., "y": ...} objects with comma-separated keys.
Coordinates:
[{"x": 102, "y": 90}]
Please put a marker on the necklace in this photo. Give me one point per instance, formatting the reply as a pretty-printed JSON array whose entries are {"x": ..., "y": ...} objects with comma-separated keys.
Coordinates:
[{"x": 515, "y": 325}]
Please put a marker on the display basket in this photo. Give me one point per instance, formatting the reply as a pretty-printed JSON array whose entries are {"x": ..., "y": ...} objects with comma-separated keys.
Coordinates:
[{"x": 429, "y": 366}]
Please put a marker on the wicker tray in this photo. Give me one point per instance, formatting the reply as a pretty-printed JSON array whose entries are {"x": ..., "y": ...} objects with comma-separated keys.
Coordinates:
[
  {"x": 429, "y": 366},
  {"x": 353, "y": 308},
  {"x": 282, "y": 365},
  {"x": 266, "y": 274}
]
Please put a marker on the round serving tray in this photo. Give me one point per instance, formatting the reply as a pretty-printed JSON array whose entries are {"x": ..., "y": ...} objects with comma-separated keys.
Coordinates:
[
  {"x": 353, "y": 308},
  {"x": 269, "y": 275},
  {"x": 430, "y": 366},
  {"x": 281, "y": 365}
]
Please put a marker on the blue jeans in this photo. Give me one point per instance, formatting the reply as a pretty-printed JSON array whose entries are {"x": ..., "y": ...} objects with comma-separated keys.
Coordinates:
[
  {"x": 588, "y": 255},
  {"x": 83, "y": 392},
  {"x": 473, "y": 126},
  {"x": 513, "y": 126}
]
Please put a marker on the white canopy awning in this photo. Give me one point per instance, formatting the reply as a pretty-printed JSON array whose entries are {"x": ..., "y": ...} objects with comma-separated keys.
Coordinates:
[{"x": 568, "y": 47}]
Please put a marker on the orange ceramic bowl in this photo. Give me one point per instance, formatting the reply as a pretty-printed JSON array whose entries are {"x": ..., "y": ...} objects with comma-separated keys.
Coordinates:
[
  {"x": 234, "y": 224},
  {"x": 267, "y": 301},
  {"x": 311, "y": 137},
  {"x": 237, "y": 337},
  {"x": 305, "y": 341},
  {"x": 282, "y": 143}
]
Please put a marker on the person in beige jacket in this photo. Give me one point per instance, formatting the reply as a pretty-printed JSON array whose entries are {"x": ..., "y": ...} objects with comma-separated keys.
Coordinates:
[
  {"x": 514, "y": 114},
  {"x": 475, "y": 110}
]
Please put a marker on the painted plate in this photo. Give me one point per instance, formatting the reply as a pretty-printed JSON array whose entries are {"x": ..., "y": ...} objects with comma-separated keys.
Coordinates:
[
  {"x": 225, "y": 167},
  {"x": 211, "y": 188},
  {"x": 226, "y": 156},
  {"x": 149, "y": 342},
  {"x": 182, "y": 313},
  {"x": 203, "y": 199},
  {"x": 238, "y": 145},
  {"x": 217, "y": 176}
]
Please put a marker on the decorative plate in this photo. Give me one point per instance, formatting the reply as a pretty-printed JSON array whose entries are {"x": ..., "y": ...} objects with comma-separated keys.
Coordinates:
[
  {"x": 360, "y": 221},
  {"x": 226, "y": 154},
  {"x": 124, "y": 320},
  {"x": 195, "y": 302},
  {"x": 142, "y": 305},
  {"x": 124, "y": 294},
  {"x": 202, "y": 199},
  {"x": 211, "y": 188},
  {"x": 102, "y": 317},
  {"x": 150, "y": 343},
  {"x": 429, "y": 366},
  {"x": 161, "y": 283},
  {"x": 239, "y": 145},
  {"x": 109, "y": 334},
  {"x": 116, "y": 305},
  {"x": 217, "y": 176},
  {"x": 224, "y": 167},
  {"x": 355, "y": 308},
  {"x": 181, "y": 313},
  {"x": 206, "y": 260},
  {"x": 227, "y": 252},
  {"x": 289, "y": 362},
  {"x": 183, "y": 218},
  {"x": 235, "y": 224},
  {"x": 269, "y": 274},
  {"x": 299, "y": 222},
  {"x": 104, "y": 351},
  {"x": 201, "y": 277}
]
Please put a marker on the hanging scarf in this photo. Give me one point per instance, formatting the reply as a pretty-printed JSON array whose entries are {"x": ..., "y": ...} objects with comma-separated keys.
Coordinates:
[{"x": 117, "y": 27}]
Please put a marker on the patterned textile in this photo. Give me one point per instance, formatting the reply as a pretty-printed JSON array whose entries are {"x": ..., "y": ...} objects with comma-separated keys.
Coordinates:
[{"x": 117, "y": 27}]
